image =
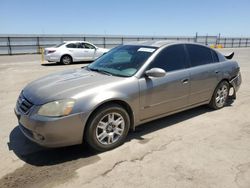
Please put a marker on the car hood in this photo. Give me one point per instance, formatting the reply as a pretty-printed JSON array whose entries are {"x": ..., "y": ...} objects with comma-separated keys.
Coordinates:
[{"x": 65, "y": 84}]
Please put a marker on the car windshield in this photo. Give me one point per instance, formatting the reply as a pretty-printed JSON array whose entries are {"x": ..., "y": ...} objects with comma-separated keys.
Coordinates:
[{"x": 122, "y": 61}]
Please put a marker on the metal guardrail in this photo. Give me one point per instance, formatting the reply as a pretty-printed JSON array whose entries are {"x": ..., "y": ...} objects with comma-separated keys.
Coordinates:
[{"x": 22, "y": 44}]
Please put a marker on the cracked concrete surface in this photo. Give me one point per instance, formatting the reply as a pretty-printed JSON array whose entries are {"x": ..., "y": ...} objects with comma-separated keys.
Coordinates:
[
  {"x": 136, "y": 159},
  {"x": 196, "y": 148}
]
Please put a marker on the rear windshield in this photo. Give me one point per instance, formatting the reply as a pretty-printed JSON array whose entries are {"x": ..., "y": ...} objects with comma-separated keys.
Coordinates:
[{"x": 59, "y": 45}]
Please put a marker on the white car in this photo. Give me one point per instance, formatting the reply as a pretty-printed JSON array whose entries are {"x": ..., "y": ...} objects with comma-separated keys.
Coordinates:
[{"x": 73, "y": 51}]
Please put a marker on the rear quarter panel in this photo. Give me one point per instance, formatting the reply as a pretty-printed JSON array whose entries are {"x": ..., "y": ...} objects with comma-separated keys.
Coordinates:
[{"x": 229, "y": 69}]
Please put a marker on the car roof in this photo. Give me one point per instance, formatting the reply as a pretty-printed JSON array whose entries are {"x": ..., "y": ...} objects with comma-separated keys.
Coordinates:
[
  {"x": 75, "y": 41},
  {"x": 160, "y": 43}
]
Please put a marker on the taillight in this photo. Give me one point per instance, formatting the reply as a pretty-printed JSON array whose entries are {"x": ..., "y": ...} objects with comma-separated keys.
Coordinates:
[{"x": 51, "y": 51}]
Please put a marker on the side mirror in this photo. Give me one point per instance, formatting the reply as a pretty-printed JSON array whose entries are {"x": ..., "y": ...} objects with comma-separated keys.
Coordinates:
[{"x": 155, "y": 72}]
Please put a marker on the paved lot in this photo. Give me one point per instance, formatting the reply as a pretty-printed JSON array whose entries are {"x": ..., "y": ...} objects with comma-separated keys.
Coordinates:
[{"x": 196, "y": 148}]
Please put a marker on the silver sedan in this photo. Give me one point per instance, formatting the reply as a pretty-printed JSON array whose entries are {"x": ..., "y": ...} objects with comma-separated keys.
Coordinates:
[{"x": 130, "y": 85}]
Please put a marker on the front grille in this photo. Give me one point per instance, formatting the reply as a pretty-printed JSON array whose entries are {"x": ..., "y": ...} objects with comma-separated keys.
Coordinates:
[{"x": 23, "y": 104}]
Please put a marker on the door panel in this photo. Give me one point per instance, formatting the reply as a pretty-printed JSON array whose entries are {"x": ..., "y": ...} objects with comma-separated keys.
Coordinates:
[
  {"x": 78, "y": 54},
  {"x": 204, "y": 73},
  {"x": 163, "y": 95},
  {"x": 89, "y": 51},
  {"x": 203, "y": 80},
  {"x": 77, "y": 51}
]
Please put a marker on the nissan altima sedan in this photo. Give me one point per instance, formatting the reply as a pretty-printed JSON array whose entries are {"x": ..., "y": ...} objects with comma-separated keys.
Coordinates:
[
  {"x": 73, "y": 51},
  {"x": 130, "y": 85}
]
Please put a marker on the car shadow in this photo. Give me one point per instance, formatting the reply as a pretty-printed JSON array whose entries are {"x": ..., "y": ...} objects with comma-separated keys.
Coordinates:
[
  {"x": 34, "y": 154},
  {"x": 59, "y": 64}
]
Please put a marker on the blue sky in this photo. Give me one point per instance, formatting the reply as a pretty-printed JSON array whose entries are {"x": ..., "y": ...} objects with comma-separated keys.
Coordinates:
[{"x": 126, "y": 17}]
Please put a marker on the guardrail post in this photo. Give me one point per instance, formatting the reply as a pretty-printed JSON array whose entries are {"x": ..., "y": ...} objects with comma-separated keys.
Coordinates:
[
  {"x": 240, "y": 42},
  {"x": 225, "y": 42},
  {"x": 218, "y": 39},
  {"x": 38, "y": 45},
  {"x": 42, "y": 55},
  {"x": 232, "y": 43},
  {"x": 122, "y": 40},
  {"x": 196, "y": 37},
  {"x": 104, "y": 42},
  {"x": 9, "y": 46},
  {"x": 246, "y": 42}
]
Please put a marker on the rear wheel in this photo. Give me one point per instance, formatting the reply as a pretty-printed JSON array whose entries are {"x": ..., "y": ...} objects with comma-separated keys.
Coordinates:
[
  {"x": 66, "y": 60},
  {"x": 107, "y": 128},
  {"x": 220, "y": 95}
]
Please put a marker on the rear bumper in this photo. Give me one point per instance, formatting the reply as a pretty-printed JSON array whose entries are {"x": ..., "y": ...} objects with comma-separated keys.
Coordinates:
[
  {"x": 236, "y": 82},
  {"x": 52, "y": 58}
]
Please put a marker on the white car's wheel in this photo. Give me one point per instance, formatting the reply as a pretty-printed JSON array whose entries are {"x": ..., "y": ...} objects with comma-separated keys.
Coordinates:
[{"x": 66, "y": 59}]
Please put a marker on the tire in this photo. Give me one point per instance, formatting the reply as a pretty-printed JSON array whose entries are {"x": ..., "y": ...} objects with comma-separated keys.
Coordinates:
[
  {"x": 220, "y": 96},
  {"x": 66, "y": 60},
  {"x": 107, "y": 128}
]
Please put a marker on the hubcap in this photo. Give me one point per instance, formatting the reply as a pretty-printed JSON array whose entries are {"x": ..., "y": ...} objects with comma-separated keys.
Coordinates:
[
  {"x": 110, "y": 128},
  {"x": 221, "y": 96},
  {"x": 66, "y": 60}
]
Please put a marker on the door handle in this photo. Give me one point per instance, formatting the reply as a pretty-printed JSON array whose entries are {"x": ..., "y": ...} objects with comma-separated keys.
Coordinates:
[{"x": 185, "y": 81}]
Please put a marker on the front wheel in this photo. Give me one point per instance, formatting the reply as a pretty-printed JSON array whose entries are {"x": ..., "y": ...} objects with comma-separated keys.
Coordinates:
[
  {"x": 107, "y": 128},
  {"x": 220, "y": 96}
]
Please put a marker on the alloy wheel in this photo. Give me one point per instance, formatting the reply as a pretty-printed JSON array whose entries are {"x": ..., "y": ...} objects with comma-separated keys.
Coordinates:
[
  {"x": 110, "y": 128},
  {"x": 66, "y": 60},
  {"x": 221, "y": 96}
]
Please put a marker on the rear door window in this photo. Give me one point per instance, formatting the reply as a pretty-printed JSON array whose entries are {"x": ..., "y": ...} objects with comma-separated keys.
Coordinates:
[
  {"x": 199, "y": 55},
  {"x": 170, "y": 59},
  {"x": 71, "y": 45},
  {"x": 57, "y": 46}
]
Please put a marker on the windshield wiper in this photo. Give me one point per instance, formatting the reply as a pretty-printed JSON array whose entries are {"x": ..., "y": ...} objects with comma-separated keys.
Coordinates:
[
  {"x": 100, "y": 71},
  {"x": 103, "y": 72}
]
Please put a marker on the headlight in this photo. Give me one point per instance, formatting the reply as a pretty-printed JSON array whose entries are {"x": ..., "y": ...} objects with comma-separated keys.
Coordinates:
[{"x": 57, "y": 108}]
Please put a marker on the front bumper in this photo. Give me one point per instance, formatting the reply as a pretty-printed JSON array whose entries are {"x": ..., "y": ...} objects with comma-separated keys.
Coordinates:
[{"x": 52, "y": 132}]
